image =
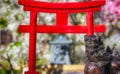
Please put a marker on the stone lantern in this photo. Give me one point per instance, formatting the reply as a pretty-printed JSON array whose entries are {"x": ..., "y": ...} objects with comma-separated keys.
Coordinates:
[{"x": 60, "y": 48}]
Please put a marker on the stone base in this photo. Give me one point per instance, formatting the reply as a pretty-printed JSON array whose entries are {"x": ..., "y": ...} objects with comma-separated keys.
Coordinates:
[{"x": 28, "y": 72}]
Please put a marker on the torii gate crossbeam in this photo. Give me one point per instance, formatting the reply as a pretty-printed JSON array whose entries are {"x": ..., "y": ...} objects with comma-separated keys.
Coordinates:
[{"x": 62, "y": 10}]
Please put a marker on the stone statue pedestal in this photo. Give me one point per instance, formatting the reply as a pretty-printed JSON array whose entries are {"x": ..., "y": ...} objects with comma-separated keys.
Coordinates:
[{"x": 100, "y": 60}]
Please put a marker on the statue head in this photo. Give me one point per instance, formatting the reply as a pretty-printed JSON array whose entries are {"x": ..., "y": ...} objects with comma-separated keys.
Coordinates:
[{"x": 92, "y": 41}]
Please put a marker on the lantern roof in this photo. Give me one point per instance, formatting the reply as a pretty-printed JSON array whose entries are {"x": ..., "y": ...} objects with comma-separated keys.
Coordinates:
[{"x": 61, "y": 40}]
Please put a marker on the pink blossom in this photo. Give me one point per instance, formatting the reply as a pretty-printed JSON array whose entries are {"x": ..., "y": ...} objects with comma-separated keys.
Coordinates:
[{"x": 111, "y": 11}]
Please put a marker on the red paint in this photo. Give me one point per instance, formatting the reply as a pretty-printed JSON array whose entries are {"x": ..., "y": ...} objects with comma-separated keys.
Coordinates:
[
  {"x": 61, "y": 6},
  {"x": 32, "y": 41},
  {"x": 89, "y": 22},
  {"x": 62, "y": 11},
  {"x": 61, "y": 29},
  {"x": 61, "y": 19}
]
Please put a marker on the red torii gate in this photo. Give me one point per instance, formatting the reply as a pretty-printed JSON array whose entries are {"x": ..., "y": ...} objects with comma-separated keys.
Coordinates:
[{"x": 62, "y": 10}]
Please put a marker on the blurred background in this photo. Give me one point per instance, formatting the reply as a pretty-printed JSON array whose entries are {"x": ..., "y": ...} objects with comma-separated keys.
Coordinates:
[{"x": 14, "y": 45}]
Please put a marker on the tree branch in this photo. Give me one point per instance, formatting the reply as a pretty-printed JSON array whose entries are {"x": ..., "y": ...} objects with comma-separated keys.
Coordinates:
[
  {"x": 8, "y": 59},
  {"x": 3, "y": 67}
]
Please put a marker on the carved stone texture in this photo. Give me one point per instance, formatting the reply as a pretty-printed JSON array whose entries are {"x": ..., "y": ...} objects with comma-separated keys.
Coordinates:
[
  {"x": 115, "y": 61},
  {"x": 98, "y": 59}
]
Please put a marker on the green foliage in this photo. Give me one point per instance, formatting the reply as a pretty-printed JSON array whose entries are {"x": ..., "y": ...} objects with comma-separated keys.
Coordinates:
[
  {"x": 38, "y": 61},
  {"x": 9, "y": 72},
  {"x": 82, "y": 14},
  {"x": 17, "y": 72},
  {"x": 8, "y": 12},
  {"x": 6, "y": 1},
  {"x": 42, "y": 61},
  {"x": 3, "y": 22},
  {"x": 114, "y": 45},
  {"x": 15, "y": 44},
  {"x": 11, "y": 46},
  {"x": 17, "y": 31},
  {"x": 21, "y": 61},
  {"x": 2, "y": 51},
  {"x": 53, "y": 0},
  {"x": 2, "y": 71},
  {"x": 19, "y": 16},
  {"x": 81, "y": 43},
  {"x": 40, "y": 71},
  {"x": 5, "y": 64}
]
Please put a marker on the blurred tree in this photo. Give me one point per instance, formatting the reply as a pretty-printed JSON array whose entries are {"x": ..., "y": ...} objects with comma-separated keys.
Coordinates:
[{"x": 3, "y": 22}]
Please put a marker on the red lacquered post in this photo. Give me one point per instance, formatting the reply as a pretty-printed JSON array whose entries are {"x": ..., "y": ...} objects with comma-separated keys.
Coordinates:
[
  {"x": 89, "y": 22},
  {"x": 32, "y": 44},
  {"x": 61, "y": 19},
  {"x": 62, "y": 10}
]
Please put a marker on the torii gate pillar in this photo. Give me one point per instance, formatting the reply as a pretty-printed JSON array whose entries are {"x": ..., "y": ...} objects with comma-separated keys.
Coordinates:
[
  {"x": 62, "y": 10},
  {"x": 32, "y": 43}
]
